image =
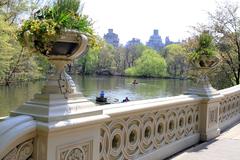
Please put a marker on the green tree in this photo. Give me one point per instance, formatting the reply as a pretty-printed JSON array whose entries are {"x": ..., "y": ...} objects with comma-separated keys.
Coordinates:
[
  {"x": 225, "y": 24},
  {"x": 89, "y": 61},
  {"x": 119, "y": 59},
  {"x": 9, "y": 48},
  {"x": 106, "y": 57},
  {"x": 150, "y": 64},
  {"x": 12, "y": 9},
  {"x": 176, "y": 59},
  {"x": 15, "y": 62},
  {"x": 132, "y": 54}
]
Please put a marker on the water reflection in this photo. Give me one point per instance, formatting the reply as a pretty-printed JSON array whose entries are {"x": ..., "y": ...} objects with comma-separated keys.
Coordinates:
[
  {"x": 120, "y": 87},
  {"x": 15, "y": 95},
  {"x": 117, "y": 88}
]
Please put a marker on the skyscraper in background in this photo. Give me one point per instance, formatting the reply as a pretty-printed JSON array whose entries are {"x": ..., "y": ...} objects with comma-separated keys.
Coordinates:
[
  {"x": 167, "y": 41},
  {"x": 111, "y": 38},
  {"x": 155, "y": 41},
  {"x": 133, "y": 42}
]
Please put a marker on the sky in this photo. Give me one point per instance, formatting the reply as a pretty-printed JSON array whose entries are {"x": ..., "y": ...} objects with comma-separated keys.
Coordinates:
[{"x": 138, "y": 18}]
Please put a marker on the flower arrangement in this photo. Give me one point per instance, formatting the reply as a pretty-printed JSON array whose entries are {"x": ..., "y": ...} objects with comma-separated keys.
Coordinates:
[{"x": 47, "y": 24}]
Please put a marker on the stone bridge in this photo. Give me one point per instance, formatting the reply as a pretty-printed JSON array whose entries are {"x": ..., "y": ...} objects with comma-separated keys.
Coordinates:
[{"x": 144, "y": 130}]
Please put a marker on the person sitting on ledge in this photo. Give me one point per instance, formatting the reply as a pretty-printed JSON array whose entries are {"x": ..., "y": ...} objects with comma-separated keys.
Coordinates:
[
  {"x": 135, "y": 82},
  {"x": 126, "y": 100}
]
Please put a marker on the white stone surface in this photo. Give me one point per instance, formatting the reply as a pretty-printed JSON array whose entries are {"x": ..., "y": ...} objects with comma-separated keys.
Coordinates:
[
  {"x": 14, "y": 131},
  {"x": 55, "y": 107},
  {"x": 225, "y": 147}
]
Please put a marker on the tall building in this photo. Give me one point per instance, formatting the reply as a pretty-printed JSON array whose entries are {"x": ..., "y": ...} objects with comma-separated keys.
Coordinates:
[
  {"x": 133, "y": 42},
  {"x": 111, "y": 38},
  {"x": 155, "y": 41},
  {"x": 167, "y": 41}
]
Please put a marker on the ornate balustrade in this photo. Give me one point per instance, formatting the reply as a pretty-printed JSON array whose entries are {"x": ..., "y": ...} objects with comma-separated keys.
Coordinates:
[
  {"x": 135, "y": 134},
  {"x": 229, "y": 109},
  {"x": 147, "y": 129},
  {"x": 17, "y": 138}
]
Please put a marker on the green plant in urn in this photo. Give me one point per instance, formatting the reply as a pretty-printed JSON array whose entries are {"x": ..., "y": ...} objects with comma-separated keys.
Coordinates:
[
  {"x": 203, "y": 59},
  {"x": 62, "y": 33},
  {"x": 204, "y": 55}
]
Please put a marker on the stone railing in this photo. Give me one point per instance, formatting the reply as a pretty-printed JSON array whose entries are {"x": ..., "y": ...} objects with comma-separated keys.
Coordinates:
[
  {"x": 229, "y": 110},
  {"x": 17, "y": 138},
  {"x": 130, "y": 135},
  {"x": 147, "y": 129}
]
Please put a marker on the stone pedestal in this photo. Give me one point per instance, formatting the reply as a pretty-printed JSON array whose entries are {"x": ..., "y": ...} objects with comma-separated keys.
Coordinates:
[
  {"x": 59, "y": 99},
  {"x": 66, "y": 140},
  {"x": 54, "y": 107},
  {"x": 60, "y": 112},
  {"x": 209, "y": 110},
  {"x": 202, "y": 88},
  {"x": 209, "y": 118}
]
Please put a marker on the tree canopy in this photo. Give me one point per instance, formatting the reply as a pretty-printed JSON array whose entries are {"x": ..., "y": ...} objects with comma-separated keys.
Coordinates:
[{"x": 149, "y": 64}]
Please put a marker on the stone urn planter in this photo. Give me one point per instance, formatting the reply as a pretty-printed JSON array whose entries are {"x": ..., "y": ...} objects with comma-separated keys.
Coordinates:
[
  {"x": 201, "y": 68},
  {"x": 205, "y": 62},
  {"x": 60, "y": 32},
  {"x": 64, "y": 50},
  {"x": 59, "y": 99}
]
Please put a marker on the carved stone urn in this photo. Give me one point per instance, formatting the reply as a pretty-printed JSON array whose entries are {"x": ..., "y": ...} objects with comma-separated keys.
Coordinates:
[
  {"x": 64, "y": 50},
  {"x": 201, "y": 68},
  {"x": 59, "y": 99}
]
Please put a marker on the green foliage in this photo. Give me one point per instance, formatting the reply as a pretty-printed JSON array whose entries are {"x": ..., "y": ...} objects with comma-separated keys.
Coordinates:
[
  {"x": 43, "y": 64},
  {"x": 12, "y": 9},
  {"x": 172, "y": 51},
  {"x": 205, "y": 46},
  {"x": 225, "y": 24},
  {"x": 133, "y": 53},
  {"x": 39, "y": 33},
  {"x": 150, "y": 64},
  {"x": 89, "y": 61},
  {"x": 15, "y": 64},
  {"x": 132, "y": 71},
  {"x": 106, "y": 57},
  {"x": 47, "y": 23},
  {"x": 8, "y": 46},
  {"x": 220, "y": 79},
  {"x": 176, "y": 58},
  {"x": 119, "y": 60}
]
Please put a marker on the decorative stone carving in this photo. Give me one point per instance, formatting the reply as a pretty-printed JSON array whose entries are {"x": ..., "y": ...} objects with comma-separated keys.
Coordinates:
[
  {"x": 12, "y": 155},
  {"x": 229, "y": 108},
  {"x": 201, "y": 68},
  {"x": 213, "y": 115},
  {"x": 79, "y": 151},
  {"x": 68, "y": 46},
  {"x": 23, "y": 151},
  {"x": 132, "y": 136},
  {"x": 75, "y": 154}
]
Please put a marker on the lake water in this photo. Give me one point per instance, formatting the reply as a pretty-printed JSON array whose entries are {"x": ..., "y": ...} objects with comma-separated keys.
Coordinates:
[{"x": 115, "y": 88}]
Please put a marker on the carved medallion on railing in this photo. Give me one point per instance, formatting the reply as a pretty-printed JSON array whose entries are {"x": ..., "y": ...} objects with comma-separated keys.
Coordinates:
[
  {"x": 129, "y": 137},
  {"x": 23, "y": 151},
  {"x": 75, "y": 151}
]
